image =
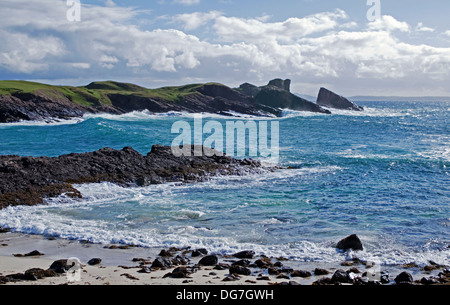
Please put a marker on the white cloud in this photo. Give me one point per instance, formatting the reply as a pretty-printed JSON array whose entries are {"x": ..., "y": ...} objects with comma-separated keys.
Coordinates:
[
  {"x": 321, "y": 48},
  {"x": 187, "y": 2},
  {"x": 22, "y": 53},
  {"x": 193, "y": 21},
  {"x": 421, "y": 28},
  {"x": 231, "y": 29},
  {"x": 388, "y": 23}
]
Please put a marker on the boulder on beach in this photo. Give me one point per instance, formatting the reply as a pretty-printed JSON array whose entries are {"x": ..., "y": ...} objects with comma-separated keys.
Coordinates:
[
  {"x": 351, "y": 242},
  {"x": 210, "y": 260}
]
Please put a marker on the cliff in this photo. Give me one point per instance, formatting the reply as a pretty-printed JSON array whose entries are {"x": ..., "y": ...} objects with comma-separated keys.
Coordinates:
[
  {"x": 28, "y": 101},
  {"x": 33, "y": 101}
]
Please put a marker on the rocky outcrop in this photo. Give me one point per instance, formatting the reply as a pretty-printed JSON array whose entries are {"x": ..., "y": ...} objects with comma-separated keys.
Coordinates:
[
  {"x": 281, "y": 84},
  {"x": 330, "y": 99},
  {"x": 276, "y": 96},
  {"x": 23, "y": 103},
  {"x": 28, "y": 180}
]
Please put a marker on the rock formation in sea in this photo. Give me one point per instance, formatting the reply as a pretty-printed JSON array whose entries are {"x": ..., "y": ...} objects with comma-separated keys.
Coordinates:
[
  {"x": 276, "y": 95},
  {"x": 330, "y": 99},
  {"x": 29, "y": 180}
]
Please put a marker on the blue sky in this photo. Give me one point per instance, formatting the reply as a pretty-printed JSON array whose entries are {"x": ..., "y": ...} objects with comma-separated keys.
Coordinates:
[{"x": 406, "y": 51}]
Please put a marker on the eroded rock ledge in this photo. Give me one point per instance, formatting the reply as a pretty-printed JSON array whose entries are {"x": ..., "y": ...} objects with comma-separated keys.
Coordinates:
[{"x": 29, "y": 180}]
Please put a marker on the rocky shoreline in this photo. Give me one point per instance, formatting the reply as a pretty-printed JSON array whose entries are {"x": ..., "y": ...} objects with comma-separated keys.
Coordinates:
[
  {"x": 27, "y": 101},
  {"x": 29, "y": 180},
  {"x": 193, "y": 266}
]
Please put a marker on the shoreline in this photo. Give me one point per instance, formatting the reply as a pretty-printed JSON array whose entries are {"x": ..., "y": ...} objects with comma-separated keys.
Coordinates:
[{"x": 125, "y": 265}]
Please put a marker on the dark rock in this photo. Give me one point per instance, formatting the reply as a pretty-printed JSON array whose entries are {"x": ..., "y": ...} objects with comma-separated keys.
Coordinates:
[
  {"x": 210, "y": 260},
  {"x": 281, "y": 84},
  {"x": 4, "y": 230},
  {"x": 231, "y": 278},
  {"x": 319, "y": 271},
  {"x": 94, "y": 261},
  {"x": 433, "y": 266},
  {"x": 30, "y": 254},
  {"x": 36, "y": 178},
  {"x": 404, "y": 278},
  {"x": 244, "y": 254},
  {"x": 221, "y": 266},
  {"x": 323, "y": 281},
  {"x": 242, "y": 262},
  {"x": 273, "y": 271},
  {"x": 145, "y": 269},
  {"x": 180, "y": 260},
  {"x": 61, "y": 266},
  {"x": 351, "y": 242},
  {"x": 161, "y": 262},
  {"x": 236, "y": 269},
  {"x": 263, "y": 278},
  {"x": 340, "y": 276},
  {"x": 286, "y": 270},
  {"x": 444, "y": 276},
  {"x": 330, "y": 99},
  {"x": 353, "y": 270},
  {"x": 165, "y": 253},
  {"x": 15, "y": 277},
  {"x": 35, "y": 274},
  {"x": 429, "y": 281},
  {"x": 263, "y": 263},
  {"x": 178, "y": 273},
  {"x": 301, "y": 273},
  {"x": 199, "y": 252}
]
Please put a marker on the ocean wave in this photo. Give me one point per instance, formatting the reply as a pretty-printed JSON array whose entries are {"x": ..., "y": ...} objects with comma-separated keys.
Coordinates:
[
  {"x": 40, "y": 220},
  {"x": 368, "y": 112},
  {"x": 146, "y": 115},
  {"x": 47, "y": 122}
]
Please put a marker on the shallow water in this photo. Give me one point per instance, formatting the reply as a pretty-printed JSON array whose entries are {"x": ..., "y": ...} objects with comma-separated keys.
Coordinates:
[{"x": 382, "y": 173}]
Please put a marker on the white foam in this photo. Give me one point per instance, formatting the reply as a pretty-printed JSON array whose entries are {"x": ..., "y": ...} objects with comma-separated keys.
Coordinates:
[
  {"x": 146, "y": 115},
  {"x": 48, "y": 122},
  {"x": 368, "y": 112}
]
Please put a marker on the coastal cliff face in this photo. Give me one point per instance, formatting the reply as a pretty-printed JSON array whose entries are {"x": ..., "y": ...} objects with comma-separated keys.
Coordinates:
[
  {"x": 330, "y": 99},
  {"x": 28, "y": 180},
  {"x": 33, "y": 101}
]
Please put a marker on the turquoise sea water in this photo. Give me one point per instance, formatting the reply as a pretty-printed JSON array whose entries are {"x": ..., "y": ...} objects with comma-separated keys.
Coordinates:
[{"x": 382, "y": 174}]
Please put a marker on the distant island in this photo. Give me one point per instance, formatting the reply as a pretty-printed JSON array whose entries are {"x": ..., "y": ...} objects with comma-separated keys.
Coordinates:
[{"x": 30, "y": 101}]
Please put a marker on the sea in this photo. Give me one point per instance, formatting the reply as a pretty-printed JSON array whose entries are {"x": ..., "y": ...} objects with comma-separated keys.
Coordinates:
[{"x": 383, "y": 174}]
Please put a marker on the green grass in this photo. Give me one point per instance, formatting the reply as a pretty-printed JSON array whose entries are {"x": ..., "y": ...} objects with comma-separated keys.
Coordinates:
[{"x": 97, "y": 93}]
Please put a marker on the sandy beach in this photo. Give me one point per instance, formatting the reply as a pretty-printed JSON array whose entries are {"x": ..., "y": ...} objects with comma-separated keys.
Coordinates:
[{"x": 123, "y": 265}]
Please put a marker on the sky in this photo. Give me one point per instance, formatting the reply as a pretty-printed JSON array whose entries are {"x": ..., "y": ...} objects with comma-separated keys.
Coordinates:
[{"x": 402, "y": 47}]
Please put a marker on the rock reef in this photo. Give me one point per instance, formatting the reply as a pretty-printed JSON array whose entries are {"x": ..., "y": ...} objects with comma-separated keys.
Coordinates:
[{"x": 29, "y": 180}]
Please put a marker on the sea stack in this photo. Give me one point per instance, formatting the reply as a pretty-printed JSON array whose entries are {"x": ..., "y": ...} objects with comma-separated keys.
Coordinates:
[{"x": 330, "y": 99}]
